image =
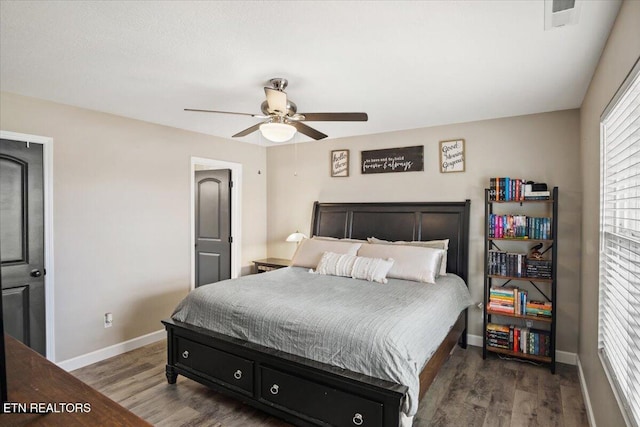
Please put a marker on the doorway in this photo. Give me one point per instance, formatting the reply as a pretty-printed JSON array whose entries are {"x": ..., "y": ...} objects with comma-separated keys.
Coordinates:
[
  {"x": 204, "y": 259},
  {"x": 27, "y": 239}
]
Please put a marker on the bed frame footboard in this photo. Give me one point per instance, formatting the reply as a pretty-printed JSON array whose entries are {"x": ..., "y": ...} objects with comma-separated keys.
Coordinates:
[{"x": 298, "y": 390}]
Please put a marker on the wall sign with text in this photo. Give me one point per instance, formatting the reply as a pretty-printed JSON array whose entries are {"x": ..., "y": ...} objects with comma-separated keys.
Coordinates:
[
  {"x": 401, "y": 159},
  {"x": 452, "y": 156},
  {"x": 340, "y": 163}
]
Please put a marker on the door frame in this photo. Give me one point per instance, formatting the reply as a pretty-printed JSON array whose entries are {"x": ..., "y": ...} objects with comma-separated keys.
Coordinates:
[
  {"x": 47, "y": 164},
  {"x": 236, "y": 217}
]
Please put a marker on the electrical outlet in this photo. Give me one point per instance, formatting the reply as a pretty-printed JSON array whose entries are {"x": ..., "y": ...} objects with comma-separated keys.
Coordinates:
[{"x": 108, "y": 320}]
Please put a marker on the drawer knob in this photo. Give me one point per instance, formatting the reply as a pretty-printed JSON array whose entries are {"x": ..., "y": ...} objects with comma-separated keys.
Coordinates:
[
  {"x": 237, "y": 374},
  {"x": 357, "y": 419},
  {"x": 185, "y": 354},
  {"x": 274, "y": 389}
]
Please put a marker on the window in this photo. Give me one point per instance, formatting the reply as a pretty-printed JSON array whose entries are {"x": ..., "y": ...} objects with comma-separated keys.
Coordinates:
[{"x": 619, "y": 317}]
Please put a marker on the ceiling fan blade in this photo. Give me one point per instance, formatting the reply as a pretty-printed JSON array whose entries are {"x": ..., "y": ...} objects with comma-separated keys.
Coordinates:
[
  {"x": 335, "y": 117},
  {"x": 247, "y": 131},
  {"x": 225, "y": 112},
  {"x": 276, "y": 99},
  {"x": 309, "y": 131}
]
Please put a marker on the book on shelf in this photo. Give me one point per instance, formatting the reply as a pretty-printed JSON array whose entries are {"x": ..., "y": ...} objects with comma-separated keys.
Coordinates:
[
  {"x": 506, "y": 189},
  {"x": 516, "y": 190},
  {"x": 519, "y": 339},
  {"x": 509, "y": 264},
  {"x": 539, "y": 268},
  {"x": 539, "y": 308},
  {"x": 509, "y": 300},
  {"x": 536, "y": 192},
  {"x": 519, "y": 227},
  {"x": 538, "y": 195}
]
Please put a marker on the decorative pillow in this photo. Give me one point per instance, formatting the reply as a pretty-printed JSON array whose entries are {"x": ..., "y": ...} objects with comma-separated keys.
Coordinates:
[
  {"x": 410, "y": 262},
  {"x": 371, "y": 269},
  {"x": 310, "y": 251},
  {"x": 436, "y": 244}
]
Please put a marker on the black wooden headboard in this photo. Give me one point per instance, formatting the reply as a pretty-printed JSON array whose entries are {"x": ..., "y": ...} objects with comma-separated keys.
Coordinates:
[{"x": 400, "y": 221}]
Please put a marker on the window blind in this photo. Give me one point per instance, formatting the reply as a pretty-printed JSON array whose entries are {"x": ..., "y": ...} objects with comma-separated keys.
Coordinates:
[{"x": 619, "y": 311}]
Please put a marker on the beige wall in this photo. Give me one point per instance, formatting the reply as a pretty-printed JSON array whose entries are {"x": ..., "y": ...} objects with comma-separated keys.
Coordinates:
[
  {"x": 122, "y": 216},
  {"x": 542, "y": 147},
  {"x": 620, "y": 53}
]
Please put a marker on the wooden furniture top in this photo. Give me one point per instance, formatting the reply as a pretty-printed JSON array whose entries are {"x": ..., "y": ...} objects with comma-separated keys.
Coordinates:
[
  {"x": 274, "y": 262},
  {"x": 42, "y": 385}
]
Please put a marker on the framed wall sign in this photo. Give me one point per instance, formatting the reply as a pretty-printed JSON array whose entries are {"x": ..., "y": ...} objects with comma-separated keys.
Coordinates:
[
  {"x": 401, "y": 159},
  {"x": 452, "y": 156},
  {"x": 340, "y": 163}
]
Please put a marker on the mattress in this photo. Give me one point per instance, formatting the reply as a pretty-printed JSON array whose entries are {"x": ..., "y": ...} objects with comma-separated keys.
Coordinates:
[{"x": 387, "y": 331}]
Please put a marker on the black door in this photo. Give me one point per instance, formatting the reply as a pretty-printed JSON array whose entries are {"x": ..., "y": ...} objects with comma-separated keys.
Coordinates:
[
  {"x": 22, "y": 242},
  {"x": 212, "y": 226}
]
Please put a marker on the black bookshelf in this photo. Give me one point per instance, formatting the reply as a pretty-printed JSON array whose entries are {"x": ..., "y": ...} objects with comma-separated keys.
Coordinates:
[{"x": 544, "y": 286}]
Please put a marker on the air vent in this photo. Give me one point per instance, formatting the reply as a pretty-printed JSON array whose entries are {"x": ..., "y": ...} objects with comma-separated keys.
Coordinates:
[{"x": 559, "y": 13}]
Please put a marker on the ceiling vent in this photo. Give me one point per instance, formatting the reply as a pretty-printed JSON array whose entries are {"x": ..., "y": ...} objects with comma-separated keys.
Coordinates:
[{"x": 558, "y": 13}]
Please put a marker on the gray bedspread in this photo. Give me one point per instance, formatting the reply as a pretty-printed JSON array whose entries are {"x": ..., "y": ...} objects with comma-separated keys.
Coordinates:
[{"x": 387, "y": 331}]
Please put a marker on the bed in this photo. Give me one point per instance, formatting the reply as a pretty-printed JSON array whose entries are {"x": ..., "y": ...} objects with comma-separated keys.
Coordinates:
[{"x": 300, "y": 389}]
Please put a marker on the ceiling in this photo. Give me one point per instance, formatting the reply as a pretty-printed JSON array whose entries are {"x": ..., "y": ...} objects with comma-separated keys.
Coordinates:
[{"x": 407, "y": 64}]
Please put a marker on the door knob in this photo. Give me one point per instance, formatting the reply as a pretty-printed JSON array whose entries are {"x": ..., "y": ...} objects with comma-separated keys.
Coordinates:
[{"x": 36, "y": 273}]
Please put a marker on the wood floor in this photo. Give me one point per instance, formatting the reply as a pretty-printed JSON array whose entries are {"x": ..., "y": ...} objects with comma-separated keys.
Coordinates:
[{"x": 468, "y": 391}]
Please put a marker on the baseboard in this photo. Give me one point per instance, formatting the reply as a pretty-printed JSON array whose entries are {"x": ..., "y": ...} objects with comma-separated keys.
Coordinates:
[
  {"x": 585, "y": 395},
  {"x": 566, "y": 357},
  {"x": 474, "y": 340},
  {"x": 561, "y": 356},
  {"x": 113, "y": 350}
]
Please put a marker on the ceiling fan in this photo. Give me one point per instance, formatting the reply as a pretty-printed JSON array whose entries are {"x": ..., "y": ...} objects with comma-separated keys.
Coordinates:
[{"x": 282, "y": 119}]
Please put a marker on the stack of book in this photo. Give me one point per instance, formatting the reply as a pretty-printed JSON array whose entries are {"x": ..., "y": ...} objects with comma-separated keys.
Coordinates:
[
  {"x": 539, "y": 308},
  {"x": 508, "y": 300},
  {"x": 519, "y": 340},
  {"x": 499, "y": 336},
  {"x": 539, "y": 268},
  {"x": 519, "y": 227},
  {"x": 533, "y": 193}
]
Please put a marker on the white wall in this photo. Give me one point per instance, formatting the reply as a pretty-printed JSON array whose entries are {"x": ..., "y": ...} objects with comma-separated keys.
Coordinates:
[
  {"x": 620, "y": 53},
  {"x": 540, "y": 147},
  {"x": 122, "y": 216}
]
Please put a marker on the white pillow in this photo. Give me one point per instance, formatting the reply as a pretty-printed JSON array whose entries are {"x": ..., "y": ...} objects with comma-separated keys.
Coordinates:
[
  {"x": 371, "y": 269},
  {"x": 310, "y": 251},
  {"x": 436, "y": 244},
  {"x": 410, "y": 262}
]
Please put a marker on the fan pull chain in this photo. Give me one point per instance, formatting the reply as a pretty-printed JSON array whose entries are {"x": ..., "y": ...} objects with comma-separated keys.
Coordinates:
[{"x": 295, "y": 154}]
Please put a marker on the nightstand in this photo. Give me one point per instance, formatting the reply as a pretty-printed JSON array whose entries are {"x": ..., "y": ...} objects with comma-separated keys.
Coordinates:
[{"x": 269, "y": 264}]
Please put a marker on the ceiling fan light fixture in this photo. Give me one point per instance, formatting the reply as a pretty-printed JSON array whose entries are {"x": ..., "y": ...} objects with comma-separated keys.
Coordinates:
[{"x": 277, "y": 132}]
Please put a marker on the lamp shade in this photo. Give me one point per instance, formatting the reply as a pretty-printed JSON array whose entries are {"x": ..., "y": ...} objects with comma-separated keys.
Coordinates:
[
  {"x": 296, "y": 237},
  {"x": 277, "y": 132}
]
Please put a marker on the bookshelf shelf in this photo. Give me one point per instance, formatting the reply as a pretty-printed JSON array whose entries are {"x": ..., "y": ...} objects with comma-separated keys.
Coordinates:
[
  {"x": 519, "y": 316},
  {"x": 510, "y": 239},
  {"x": 525, "y": 279},
  {"x": 510, "y": 273},
  {"x": 544, "y": 359},
  {"x": 522, "y": 201}
]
